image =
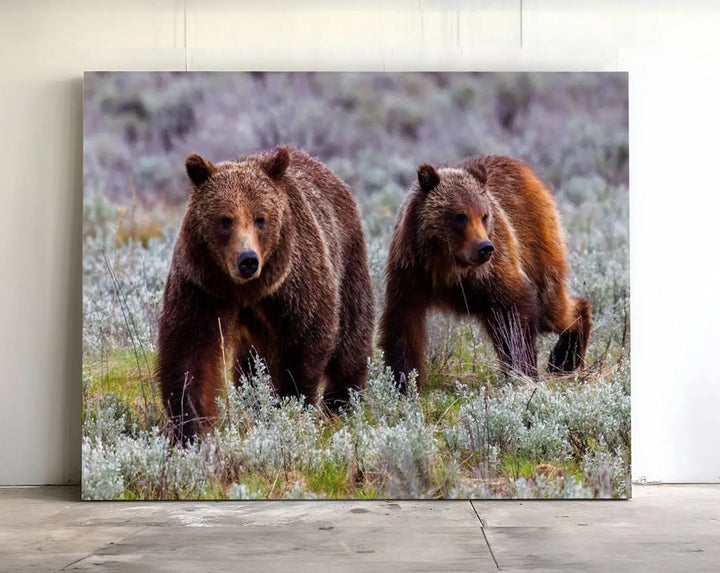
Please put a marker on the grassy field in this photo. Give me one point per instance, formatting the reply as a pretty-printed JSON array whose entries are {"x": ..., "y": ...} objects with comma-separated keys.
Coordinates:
[{"x": 470, "y": 431}]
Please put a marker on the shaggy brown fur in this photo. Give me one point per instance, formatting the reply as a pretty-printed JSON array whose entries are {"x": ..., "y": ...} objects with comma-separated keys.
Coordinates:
[
  {"x": 271, "y": 259},
  {"x": 482, "y": 239}
]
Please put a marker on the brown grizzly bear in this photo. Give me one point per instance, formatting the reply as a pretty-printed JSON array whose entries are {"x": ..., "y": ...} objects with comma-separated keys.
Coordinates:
[
  {"x": 482, "y": 239},
  {"x": 271, "y": 260}
]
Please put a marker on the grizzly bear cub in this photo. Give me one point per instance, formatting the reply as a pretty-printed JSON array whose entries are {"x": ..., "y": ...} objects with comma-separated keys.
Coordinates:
[
  {"x": 482, "y": 239},
  {"x": 270, "y": 261}
]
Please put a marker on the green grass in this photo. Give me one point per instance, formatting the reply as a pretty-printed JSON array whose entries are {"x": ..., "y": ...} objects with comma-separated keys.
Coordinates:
[
  {"x": 130, "y": 379},
  {"x": 331, "y": 478}
]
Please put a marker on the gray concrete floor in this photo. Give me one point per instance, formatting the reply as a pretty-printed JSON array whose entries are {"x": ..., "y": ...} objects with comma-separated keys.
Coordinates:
[{"x": 663, "y": 528}]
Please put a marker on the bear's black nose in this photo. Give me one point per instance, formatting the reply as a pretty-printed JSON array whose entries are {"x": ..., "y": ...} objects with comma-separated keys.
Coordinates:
[
  {"x": 485, "y": 251},
  {"x": 248, "y": 263}
]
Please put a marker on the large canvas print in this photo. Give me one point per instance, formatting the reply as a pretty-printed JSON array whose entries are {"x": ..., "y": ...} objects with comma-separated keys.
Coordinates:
[{"x": 355, "y": 286}]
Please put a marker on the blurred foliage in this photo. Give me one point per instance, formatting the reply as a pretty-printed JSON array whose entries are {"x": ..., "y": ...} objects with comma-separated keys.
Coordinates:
[{"x": 372, "y": 129}]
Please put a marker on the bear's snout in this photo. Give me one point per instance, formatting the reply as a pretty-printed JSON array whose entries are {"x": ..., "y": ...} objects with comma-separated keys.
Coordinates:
[
  {"x": 248, "y": 263},
  {"x": 485, "y": 250}
]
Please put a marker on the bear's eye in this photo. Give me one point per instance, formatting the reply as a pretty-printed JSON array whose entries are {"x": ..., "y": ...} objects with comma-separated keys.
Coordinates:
[
  {"x": 226, "y": 223},
  {"x": 461, "y": 219},
  {"x": 259, "y": 222},
  {"x": 485, "y": 219}
]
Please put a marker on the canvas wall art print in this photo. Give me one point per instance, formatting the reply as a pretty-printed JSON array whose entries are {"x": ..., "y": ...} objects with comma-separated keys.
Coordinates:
[{"x": 355, "y": 286}]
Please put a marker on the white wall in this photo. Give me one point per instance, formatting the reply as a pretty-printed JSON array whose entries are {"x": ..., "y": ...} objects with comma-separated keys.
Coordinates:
[{"x": 675, "y": 230}]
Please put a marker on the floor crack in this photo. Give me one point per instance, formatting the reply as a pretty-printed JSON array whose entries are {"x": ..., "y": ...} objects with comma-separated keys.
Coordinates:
[
  {"x": 483, "y": 525},
  {"x": 96, "y": 549}
]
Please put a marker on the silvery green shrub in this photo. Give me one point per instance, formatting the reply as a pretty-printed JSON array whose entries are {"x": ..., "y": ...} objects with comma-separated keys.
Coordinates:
[
  {"x": 300, "y": 491},
  {"x": 542, "y": 488},
  {"x": 242, "y": 491},
  {"x": 101, "y": 475},
  {"x": 386, "y": 435},
  {"x": 607, "y": 472}
]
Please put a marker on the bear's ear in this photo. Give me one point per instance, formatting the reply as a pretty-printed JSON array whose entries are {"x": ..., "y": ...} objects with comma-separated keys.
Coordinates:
[
  {"x": 427, "y": 177},
  {"x": 277, "y": 163},
  {"x": 198, "y": 169},
  {"x": 477, "y": 170}
]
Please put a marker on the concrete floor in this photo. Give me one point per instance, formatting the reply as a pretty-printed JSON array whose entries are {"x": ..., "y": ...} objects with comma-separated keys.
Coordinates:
[{"x": 663, "y": 528}]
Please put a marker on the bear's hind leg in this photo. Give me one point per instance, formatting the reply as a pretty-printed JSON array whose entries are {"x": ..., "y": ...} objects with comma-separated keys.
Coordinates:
[
  {"x": 300, "y": 365},
  {"x": 300, "y": 373},
  {"x": 344, "y": 373},
  {"x": 569, "y": 352}
]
